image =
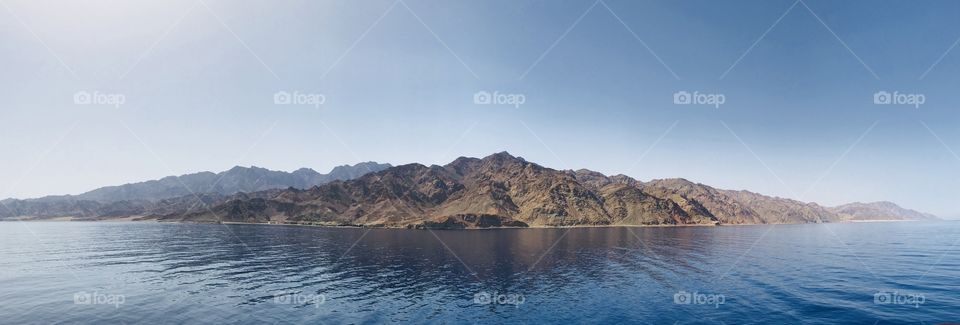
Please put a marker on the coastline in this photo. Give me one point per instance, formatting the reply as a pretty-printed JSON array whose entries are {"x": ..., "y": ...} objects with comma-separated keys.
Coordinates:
[{"x": 142, "y": 219}]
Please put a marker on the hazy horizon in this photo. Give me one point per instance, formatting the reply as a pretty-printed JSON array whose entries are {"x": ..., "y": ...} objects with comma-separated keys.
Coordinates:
[{"x": 108, "y": 92}]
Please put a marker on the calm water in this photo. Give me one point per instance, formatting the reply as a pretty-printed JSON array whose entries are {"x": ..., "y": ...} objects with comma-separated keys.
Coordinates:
[{"x": 179, "y": 273}]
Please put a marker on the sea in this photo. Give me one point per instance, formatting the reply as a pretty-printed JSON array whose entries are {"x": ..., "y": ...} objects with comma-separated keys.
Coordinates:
[{"x": 174, "y": 273}]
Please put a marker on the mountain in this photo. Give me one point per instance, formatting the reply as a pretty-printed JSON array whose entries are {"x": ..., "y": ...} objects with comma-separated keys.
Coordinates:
[
  {"x": 879, "y": 211},
  {"x": 502, "y": 190},
  {"x": 237, "y": 179},
  {"x": 738, "y": 207},
  {"x": 176, "y": 193},
  {"x": 499, "y": 190},
  {"x": 347, "y": 172}
]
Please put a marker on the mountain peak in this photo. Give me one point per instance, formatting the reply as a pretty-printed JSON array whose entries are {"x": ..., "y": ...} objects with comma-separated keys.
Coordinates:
[
  {"x": 345, "y": 172},
  {"x": 238, "y": 168},
  {"x": 372, "y": 165},
  {"x": 503, "y": 155},
  {"x": 880, "y": 210},
  {"x": 674, "y": 182}
]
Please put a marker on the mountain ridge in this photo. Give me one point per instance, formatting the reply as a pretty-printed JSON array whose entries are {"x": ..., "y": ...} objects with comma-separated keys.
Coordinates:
[
  {"x": 499, "y": 190},
  {"x": 224, "y": 182},
  {"x": 887, "y": 209},
  {"x": 146, "y": 195}
]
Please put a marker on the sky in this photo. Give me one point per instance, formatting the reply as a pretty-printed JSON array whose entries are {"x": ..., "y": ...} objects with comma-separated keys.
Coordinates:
[{"x": 782, "y": 93}]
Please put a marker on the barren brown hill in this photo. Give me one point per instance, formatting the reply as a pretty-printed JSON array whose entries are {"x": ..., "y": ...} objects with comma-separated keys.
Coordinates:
[
  {"x": 499, "y": 190},
  {"x": 879, "y": 211},
  {"x": 502, "y": 190},
  {"x": 175, "y": 194},
  {"x": 739, "y": 207}
]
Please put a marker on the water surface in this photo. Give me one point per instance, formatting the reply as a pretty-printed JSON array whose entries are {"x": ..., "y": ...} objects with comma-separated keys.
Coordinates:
[{"x": 128, "y": 272}]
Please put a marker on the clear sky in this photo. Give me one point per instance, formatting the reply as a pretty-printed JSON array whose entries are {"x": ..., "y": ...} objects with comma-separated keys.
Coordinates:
[{"x": 397, "y": 81}]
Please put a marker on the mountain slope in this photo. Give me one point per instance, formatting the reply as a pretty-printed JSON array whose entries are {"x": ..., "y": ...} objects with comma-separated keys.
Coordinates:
[
  {"x": 237, "y": 179},
  {"x": 499, "y": 190},
  {"x": 502, "y": 190},
  {"x": 878, "y": 211},
  {"x": 739, "y": 207},
  {"x": 175, "y": 194}
]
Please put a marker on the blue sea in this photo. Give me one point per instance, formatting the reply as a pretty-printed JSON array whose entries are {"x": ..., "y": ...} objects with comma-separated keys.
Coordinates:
[{"x": 160, "y": 273}]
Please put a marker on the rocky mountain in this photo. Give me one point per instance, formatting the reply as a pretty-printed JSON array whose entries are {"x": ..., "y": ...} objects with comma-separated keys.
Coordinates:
[
  {"x": 499, "y": 190},
  {"x": 175, "y": 194},
  {"x": 502, "y": 190},
  {"x": 738, "y": 207},
  {"x": 878, "y": 211},
  {"x": 237, "y": 179},
  {"x": 496, "y": 191}
]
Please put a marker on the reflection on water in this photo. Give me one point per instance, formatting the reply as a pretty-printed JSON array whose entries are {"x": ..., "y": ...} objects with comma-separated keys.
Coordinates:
[{"x": 173, "y": 273}]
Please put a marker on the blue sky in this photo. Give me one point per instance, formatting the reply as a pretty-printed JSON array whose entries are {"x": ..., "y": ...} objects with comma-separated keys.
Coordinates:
[{"x": 398, "y": 79}]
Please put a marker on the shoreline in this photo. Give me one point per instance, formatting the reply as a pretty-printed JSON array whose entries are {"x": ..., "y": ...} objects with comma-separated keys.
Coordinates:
[{"x": 140, "y": 219}]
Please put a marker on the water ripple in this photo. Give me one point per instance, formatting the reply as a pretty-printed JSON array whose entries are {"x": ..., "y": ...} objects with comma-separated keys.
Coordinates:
[{"x": 176, "y": 273}]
